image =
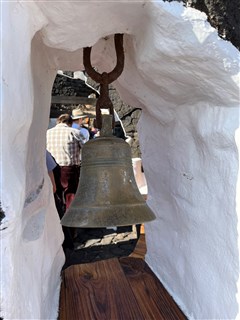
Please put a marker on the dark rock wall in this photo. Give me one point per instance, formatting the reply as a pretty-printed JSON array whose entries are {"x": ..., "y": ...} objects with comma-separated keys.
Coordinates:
[
  {"x": 129, "y": 117},
  {"x": 223, "y": 15},
  {"x": 66, "y": 85}
]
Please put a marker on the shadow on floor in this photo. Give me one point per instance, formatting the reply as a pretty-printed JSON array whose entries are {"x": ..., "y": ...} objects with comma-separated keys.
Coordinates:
[{"x": 94, "y": 244}]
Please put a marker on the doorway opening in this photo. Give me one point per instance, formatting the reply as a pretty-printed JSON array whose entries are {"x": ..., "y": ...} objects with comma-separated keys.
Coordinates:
[{"x": 75, "y": 89}]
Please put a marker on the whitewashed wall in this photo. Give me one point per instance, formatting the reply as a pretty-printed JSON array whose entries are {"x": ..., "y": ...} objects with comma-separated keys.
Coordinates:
[{"x": 186, "y": 81}]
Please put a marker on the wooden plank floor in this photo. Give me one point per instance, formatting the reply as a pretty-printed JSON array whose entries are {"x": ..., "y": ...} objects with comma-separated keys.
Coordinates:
[
  {"x": 116, "y": 289},
  {"x": 150, "y": 294}
]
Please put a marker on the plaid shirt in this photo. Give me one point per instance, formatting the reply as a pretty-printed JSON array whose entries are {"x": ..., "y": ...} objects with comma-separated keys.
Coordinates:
[{"x": 64, "y": 143}]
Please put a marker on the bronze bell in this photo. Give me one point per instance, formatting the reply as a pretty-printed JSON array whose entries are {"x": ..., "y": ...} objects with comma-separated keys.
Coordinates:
[{"x": 107, "y": 194}]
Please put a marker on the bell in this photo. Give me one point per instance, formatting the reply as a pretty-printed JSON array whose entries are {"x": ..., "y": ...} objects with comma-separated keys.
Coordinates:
[{"x": 107, "y": 195}]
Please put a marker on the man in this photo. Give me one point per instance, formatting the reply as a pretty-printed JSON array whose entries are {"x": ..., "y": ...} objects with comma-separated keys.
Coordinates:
[
  {"x": 78, "y": 116},
  {"x": 64, "y": 143}
]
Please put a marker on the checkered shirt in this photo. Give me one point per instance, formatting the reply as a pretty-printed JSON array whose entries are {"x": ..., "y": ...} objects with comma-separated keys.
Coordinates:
[{"x": 64, "y": 143}]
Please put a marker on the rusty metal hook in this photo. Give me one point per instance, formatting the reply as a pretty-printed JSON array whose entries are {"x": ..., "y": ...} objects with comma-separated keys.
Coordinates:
[{"x": 105, "y": 78}]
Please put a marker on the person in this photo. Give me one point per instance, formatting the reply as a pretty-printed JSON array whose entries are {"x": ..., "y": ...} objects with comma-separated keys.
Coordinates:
[
  {"x": 64, "y": 143},
  {"x": 78, "y": 116},
  {"x": 94, "y": 132},
  {"x": 51, "y": 167},
  {"x": 51, "y": 164}
]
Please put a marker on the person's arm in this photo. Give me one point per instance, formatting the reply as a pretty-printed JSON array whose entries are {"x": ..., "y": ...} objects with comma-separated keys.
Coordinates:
[
  {"x": 51, "y": 164},
  {"x": 78, "y": 136},
  {"x": 85, "y": 133},
  {"x": 51, "y": 175}
]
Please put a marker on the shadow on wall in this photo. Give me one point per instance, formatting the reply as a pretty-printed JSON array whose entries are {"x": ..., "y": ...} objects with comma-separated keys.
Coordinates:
[{"x": 2, "y": 215}]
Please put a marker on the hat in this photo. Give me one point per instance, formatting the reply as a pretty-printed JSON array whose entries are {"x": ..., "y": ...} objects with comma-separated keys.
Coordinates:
[{"x": 77, "y": 114}]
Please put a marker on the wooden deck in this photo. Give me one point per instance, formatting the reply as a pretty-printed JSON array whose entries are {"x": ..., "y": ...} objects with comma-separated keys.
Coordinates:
[{"x": 113, "y": 289}]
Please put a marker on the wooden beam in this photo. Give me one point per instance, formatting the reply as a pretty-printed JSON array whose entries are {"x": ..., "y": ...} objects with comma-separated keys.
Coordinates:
[{"x": 73, "y": 100}]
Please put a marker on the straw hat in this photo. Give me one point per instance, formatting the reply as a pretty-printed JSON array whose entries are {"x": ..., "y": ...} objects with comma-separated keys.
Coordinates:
[{"x": 77, "y": 114}]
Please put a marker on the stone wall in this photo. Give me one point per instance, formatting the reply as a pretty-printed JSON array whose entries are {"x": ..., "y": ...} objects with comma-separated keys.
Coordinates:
[{"x": 129, "y": 117}]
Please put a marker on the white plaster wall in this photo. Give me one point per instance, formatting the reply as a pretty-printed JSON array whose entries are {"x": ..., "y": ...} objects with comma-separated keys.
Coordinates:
[
  {"x": 186, "y": 80},
  {"x": 31, "y": 236}
]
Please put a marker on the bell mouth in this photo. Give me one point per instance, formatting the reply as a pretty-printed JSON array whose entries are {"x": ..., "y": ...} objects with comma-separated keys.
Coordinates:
[{"x": 108, "y": 216}]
